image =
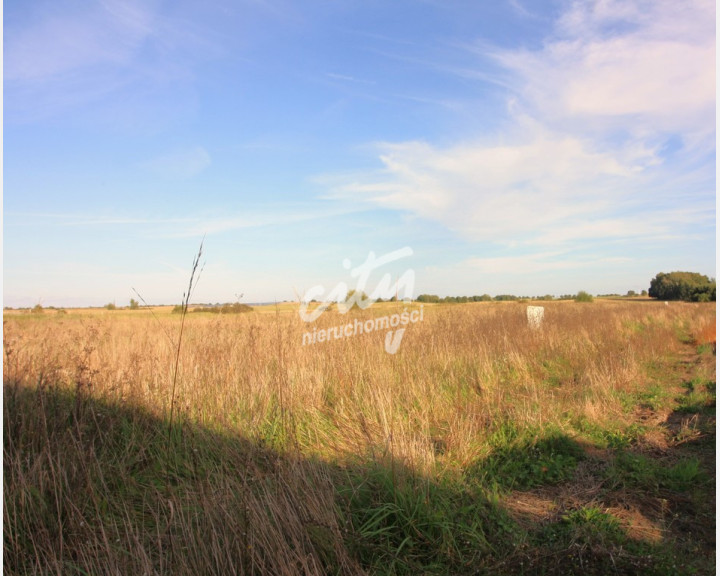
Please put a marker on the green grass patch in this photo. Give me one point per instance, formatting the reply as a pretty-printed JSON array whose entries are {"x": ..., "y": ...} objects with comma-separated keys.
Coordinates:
[
  {"x": 558, "y": 371},
  {"x": 652, "y": 397},
  {"x": 587, "y": 525},
  {"x": 589, "y": 541},
  {"x": 700, "y": 397},
  {"x": 639, "y": 471},
  {"x": 614, "y": 435},
  {"x": 524, "y": 461},
  {"x": 403, "y": 524},
  {"x": 683, "y": 331},
  {"x": 703, "y": 349},
  {"x": 272, "y": 433}
]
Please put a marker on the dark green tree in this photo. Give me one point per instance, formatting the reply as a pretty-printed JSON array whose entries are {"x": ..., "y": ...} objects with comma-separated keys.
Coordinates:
[{"x": 688, "y": 286}]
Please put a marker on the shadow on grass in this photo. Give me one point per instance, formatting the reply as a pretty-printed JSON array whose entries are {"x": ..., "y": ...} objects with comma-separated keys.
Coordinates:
[
  {"x": 94, "y": 487},
  {"x": 692, "y": 462}
]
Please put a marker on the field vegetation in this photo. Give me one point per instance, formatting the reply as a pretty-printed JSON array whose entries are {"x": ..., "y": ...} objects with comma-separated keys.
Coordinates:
[{"x": 481, "y": 447}]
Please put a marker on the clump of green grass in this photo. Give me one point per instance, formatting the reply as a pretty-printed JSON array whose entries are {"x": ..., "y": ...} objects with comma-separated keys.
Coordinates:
[
  {"x": 559, "y": 371},
  {"x": 612, "y": 435},
  {"x": 404, "y": 524},
  {"x": 653, "y": 396},
  {"x": 639, "y": 471},
  {"x": 588, "y": 540},
  {"x": 700, "y": 397},
  {"x": 524, "y": 460},
  {"x": 592, "y": 525}
]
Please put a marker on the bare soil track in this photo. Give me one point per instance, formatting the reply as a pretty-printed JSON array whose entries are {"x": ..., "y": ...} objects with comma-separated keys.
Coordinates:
[{"x": 679, "y": 432}]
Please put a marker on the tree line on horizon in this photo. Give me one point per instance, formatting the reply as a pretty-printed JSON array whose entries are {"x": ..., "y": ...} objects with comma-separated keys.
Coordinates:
[
  {"x": 671, "y": 286},
  {"x": 581, "y": 296},
  {"x": 685, "y": 286}
]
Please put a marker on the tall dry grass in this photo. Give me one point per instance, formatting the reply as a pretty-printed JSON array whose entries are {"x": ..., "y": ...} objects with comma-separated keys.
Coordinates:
[{"x": 266, "y": 428}]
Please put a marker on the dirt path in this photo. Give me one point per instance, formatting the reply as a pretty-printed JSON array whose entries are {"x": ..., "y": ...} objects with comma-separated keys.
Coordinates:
[{"x": 660, "y": 489}]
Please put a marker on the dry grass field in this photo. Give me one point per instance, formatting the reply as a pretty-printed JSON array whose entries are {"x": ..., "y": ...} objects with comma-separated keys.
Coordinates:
[{"x": 480, "y": 447}]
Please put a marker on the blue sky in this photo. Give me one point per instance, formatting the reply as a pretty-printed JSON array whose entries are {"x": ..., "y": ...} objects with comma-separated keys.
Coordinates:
[{"x": 516, "y": 147}]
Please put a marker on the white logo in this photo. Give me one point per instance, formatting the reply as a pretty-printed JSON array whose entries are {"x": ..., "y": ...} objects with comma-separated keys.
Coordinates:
[
  {"x": 392, "y": 343},
  {"x": 401, "y": 290}
]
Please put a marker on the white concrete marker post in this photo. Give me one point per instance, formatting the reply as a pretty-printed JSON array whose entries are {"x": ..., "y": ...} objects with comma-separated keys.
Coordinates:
[{"x": 535, "y": 315}]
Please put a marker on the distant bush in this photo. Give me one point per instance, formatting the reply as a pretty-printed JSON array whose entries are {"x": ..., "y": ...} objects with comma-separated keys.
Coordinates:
[
  {"x": 134, "y": 305},
  {"x": 37, "y": 309},
  {"x": 110, "y": 306},
  {"x": 583, "y": 296},
  {"x": 687, "y": 286},
  {"x": 428, "y": 298},
  {"x": 235, "y": 308}
]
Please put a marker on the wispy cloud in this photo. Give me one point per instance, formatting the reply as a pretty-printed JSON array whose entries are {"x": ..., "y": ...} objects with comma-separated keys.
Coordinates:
[
  {"x": 539, "y": 262},
  {"x": 279, "y": 216},
  {"x": 516, "y": 191},
  {"x": 184, "y": 227},
  {"x": 348, "y": 78},
  {"x": 59, "y": 43},
  {"x": 61, "y": 57},
  {"x": 646, "y": 68},
  {"x": 33, "y": 219},
  {"x": 609, "y": 131},
  {"x": 521, "y": 10},
  {"x": 180, "y": 164}
]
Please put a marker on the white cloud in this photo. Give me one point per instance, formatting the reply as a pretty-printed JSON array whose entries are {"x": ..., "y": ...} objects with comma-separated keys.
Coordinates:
[
  {"x": 647, "y": 67},
  {"x": 499, "y": 192},
  {"x": 61, "y": 42},
  {"x": 61, "y": 57},
  {"x": 583, "y": 154}
]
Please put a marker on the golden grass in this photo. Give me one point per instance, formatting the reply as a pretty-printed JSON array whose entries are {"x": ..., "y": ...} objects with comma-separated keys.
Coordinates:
[
  {"x": 458, "y": 374},
  {"x": 461, "y": 377}
]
